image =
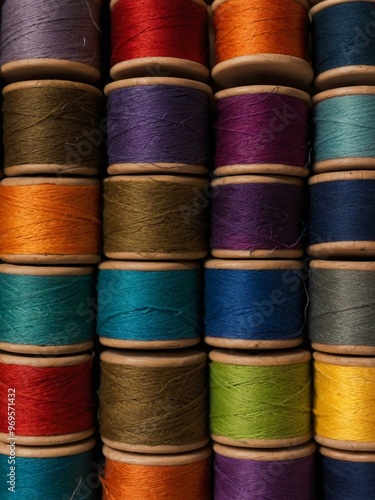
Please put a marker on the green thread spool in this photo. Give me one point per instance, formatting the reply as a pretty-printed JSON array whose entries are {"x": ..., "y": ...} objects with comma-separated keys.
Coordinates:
[{"x": 260, "y": 401}]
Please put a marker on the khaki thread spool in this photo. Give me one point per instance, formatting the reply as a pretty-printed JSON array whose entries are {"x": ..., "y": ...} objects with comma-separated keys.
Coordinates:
[
  {"x": 50, "y": 220},
  {"x": 155, "y": 218},
  {"x": 344, "y": 389},
  {"x": 46, "y": 310},
  {"x": 51, "y": 397},
  {"x": 260, "y": 400},
  {"x": 52, "y": 127},
  {"x": 135, "y": 476},
  {"x": 153, "y": 403}
]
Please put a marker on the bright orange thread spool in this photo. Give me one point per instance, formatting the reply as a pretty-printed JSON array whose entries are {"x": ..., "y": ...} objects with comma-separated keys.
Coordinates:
[
  {"x": 50, "y": 219},
  {"x": 249, "y": 27}
]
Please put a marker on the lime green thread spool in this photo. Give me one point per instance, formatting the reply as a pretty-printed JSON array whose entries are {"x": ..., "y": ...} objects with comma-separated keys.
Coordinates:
[{"x": 260, "y": 401}]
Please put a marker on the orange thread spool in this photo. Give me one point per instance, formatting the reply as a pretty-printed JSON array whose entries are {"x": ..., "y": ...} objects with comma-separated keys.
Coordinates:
[{"x": 49, "y": 220}]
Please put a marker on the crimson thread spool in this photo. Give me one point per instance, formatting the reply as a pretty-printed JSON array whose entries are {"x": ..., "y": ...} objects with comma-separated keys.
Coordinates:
[
  {"x": 155, "y": 217},
  {"x": 256, "y": 217},
  {"x": 52, "y": 127},
  {"x": 134, "y": 476},
  {"x": 43, "y": 39},
  {"x": 262, "y": 129},
  {"x": 49, "y": 220},
  {"x": 51, "y": 397},
  {"x": 153, "y": 403},
  {"x": 158, "y": 125},
  {"x": 46, "y": 310},
  {"x": 271, "y": 474},
  {"x": 252, "y": 45},
  {"x": 260, "y": 400},
  {"x": 149, "y": 305},
  {"x": 168, "y": 38},
  {"x": 342, "y": 212}
]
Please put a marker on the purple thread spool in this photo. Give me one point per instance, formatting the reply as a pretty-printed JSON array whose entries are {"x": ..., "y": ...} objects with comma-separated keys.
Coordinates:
[
  {"x": 256, "y": 217},
  {"x": 242, "y": 474},
  {"x": 262, "y": 129}
]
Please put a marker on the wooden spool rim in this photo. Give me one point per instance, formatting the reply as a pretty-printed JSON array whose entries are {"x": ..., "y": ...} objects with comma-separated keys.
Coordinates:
[
  {"x": 63, "y": 450},
  {"x": 43, "y": 362},
  {"x": 149, "y": 359},
  {"x": 45, "y": 271},
  {"x": 50, "y": 259},
  {"x": 263, "y": 443},
  {"x": 156, "y": 80},
  {"x": 47, "y": 349},
  {"x": 261, "y": 168},
  {"x": 345, "y": 445},
  {"x": 351, "y": 175},
  {"x": 149, "y": 168},
  {"x": 253, "y": 265},
  {"x": 149, "y": 344},
  {"x": 351, "y": 350},
  {"x": 345, "y": 75},
  {"x": 60, "y": 84},
  {"x": 263, "y": 89},
  {"x": 329, "y": 3},
  {"x": 199, "y": 2},
  {"x": 230, "y": 343},
  {"x": 265, "y": 359},
  {"x": 199, "y": 181},
  {"x": 256, "y": 254},
  {"x": 60, "y": 181},
  {"x": 339, "y": 164},
  {"x": 157, "y": 460},
  {"x": 344, "y": 361},
  {"x": 348, "y": 456},
  {"x": 342, "y": 265},
  {"x": 257, "y": 179},
  {"x": 162, "y": 449},
  {"x": 272, "y": 455},
  {"x": 343, "y": 91},
  {"x": 342, "y": 249},
  {"x": 49, "y": 440},
  {"x": 147, "y": 266},
  {"x": 217, "y": 3}
]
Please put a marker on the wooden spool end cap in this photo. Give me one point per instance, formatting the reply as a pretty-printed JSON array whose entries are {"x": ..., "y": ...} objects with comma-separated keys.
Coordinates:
[
  {"x": 165, "y": 359},
  {"x": 286, "y": 358},
  {"x": 271, "y": 455},
  {"x": 63, "y": 450}
]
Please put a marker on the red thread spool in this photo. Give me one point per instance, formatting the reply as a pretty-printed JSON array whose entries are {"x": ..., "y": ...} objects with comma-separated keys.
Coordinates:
[
  {"x": 159, "y": 38},
  {"x": 52, "y": 399}
]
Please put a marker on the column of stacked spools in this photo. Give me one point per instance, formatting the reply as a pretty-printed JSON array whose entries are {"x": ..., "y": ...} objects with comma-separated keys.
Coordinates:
[
  {"x": 50, "y": 238},
  {"x": 342, "y": 240},
  {"x": 260, "y": 384},
  {"x": 153, "y": 394}
]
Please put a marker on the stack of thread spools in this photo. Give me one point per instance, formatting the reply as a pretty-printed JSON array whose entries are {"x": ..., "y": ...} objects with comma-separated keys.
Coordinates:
[
  {"x": 153, "y": 393},
  {"x": 342, "y": 239},
  {"x": 50, "y": 237},
  {"x": 260, "y": 384}
]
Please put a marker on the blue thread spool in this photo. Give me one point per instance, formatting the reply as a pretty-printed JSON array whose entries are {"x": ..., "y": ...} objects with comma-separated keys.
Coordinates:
[
  {"x": 344, "y": 129},
  {"x": 343, "y": 43},
  {"x": 149, "y": 305},
  {"x": 254, "y": 304},
  {"x": 342, "y": 214},
  {"x": 49, "y": 472},
  {"x": 46, "y": 310}
]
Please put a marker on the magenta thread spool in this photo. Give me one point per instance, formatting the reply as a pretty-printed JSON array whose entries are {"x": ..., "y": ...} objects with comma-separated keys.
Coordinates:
[
  {"x": 262, "y": 129},
  {"x": 256, "y": 217}
]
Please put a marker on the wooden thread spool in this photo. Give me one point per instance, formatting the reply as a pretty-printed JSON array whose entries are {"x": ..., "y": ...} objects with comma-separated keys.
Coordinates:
[
  {"x": 79, "y": 317},
  {"x": 78, "y": 232},
  {"x": 162, "y": 476},
  {"x": 257, "y": 312},
  {"x": 46, "y": 414},
  {"x": 111, "y": 315},
  {"x": 142, "y": 422}
]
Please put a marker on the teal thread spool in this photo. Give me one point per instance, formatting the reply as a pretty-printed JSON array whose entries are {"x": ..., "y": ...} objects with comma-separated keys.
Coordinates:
[
  {"x": 344, "y": 122},
  {"x": 149, "y": 305},
  {"x": 46, "y": 309}
]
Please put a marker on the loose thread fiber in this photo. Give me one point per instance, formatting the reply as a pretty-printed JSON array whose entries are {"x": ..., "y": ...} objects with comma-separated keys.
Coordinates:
[
  {"x": 46, "y": 310},
  {"x": 158, "y": 124},
  {"x": 242, "y": 304},
  {"x": 259, "y": 480},
  {"x": 344, "y": 127},
  {"x": 47, "y": 478},
  {"x": 149, "y": 305},
  {"x": 153, "y": 406},
  {"x": 344, "y": 402},
  {"x": 50, "y": 401},
  {"x": 154, "y": 216},
  {"x": 337, "y": 39},
  {"x": 123, "y": 481},
  {"x": 39, "y": 29},
  {"x": 167, "y": 28},
  {"x": 259, "y": 27},
  {"x": 265, "y": 128},
  {"x": 253, "y": 216},
  {"x": 52, "y": 125},
  {"x": 50, "y": 219},
  {"x": 342, "y": 307},
  {"x": 260, "y": 402}
]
